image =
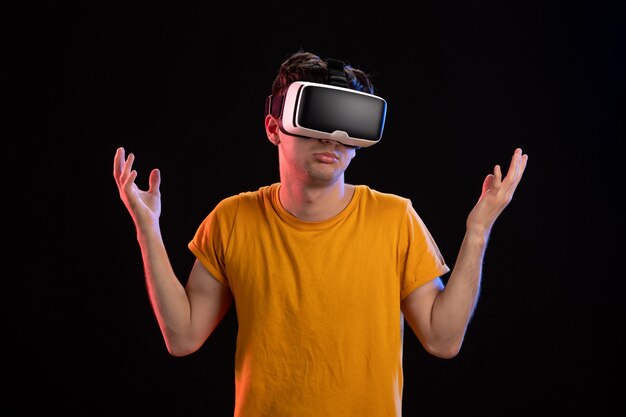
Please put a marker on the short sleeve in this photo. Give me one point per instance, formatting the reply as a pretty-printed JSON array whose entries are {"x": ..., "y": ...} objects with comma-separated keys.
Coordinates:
[
  {"x": 422, "y": 258},
  {"x": 210, "y": 241}
]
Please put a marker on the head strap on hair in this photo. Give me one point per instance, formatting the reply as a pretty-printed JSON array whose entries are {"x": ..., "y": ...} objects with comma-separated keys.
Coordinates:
[
  {"x": 336, "y": 73},
  {"x": 336, "y": 77}
]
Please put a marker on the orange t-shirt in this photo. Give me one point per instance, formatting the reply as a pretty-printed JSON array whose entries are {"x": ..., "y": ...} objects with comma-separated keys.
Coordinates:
[{"x": 318, "y": 303}]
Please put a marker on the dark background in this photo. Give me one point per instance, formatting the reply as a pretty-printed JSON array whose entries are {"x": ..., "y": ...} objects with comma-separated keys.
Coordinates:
[{"x": 183, "y": 87}]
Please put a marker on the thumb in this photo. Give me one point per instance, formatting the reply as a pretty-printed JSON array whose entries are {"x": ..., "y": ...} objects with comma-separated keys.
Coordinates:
[
  {"x": 487, "y": 183},
  {"x": 155, "y": 181}
]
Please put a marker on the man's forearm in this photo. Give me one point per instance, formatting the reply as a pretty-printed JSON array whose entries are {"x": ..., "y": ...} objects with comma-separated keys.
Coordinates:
[
  {"x": 455, "y": 305},
  {"x": 167, "y": 294}
]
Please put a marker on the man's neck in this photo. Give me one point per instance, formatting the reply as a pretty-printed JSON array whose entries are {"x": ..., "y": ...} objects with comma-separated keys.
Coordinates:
[{"x": 315, "y": 204}]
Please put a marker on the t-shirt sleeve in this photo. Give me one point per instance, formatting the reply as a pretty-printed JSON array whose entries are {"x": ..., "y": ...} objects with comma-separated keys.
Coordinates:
[
  {"x": 210, "y": 241},
  {"x": 423, "y": 261}
]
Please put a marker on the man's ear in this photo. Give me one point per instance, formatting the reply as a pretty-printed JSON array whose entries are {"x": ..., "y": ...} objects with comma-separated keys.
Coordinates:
[{"x": 271, "y": 129}]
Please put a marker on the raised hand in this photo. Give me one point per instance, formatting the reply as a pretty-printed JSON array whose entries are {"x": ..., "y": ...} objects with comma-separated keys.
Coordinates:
[
  {"x": 497, "y": 193},
  {"x": 143, "y": 206}
]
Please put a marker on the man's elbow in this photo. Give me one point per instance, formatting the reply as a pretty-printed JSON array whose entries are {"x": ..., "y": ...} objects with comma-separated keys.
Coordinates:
[
  {"x": 180, "y": 347},
  {"x": 178, "y": 351},
  {"x": 447, "y": 350}
]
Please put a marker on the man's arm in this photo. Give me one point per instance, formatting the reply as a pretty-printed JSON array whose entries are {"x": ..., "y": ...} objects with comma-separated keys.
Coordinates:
[
  {"x": 186, "y": 315},
  {"x": 439, "y": 316}
]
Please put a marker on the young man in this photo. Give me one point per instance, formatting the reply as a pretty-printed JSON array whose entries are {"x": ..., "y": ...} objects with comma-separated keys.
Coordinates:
[{"x": 323, "y": 273}]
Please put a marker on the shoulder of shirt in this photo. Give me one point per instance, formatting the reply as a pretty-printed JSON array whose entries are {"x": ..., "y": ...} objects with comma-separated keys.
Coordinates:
[
  {"x": 383, "y": 197},
  {"x": 247, "y": 196}
]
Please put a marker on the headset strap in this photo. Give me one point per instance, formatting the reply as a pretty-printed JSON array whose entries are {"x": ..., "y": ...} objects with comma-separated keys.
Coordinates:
[
  {"x": 273, "y": 105},
  {"x": 336, "y": 73},
  {"x": 336, "y": 77}
]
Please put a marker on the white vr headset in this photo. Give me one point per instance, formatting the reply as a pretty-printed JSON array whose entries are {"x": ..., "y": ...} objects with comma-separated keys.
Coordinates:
[{"x": 323, "y": 111}]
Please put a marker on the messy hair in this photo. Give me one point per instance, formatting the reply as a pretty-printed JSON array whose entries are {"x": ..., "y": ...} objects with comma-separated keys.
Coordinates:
[{"x": 306, "y": 66}]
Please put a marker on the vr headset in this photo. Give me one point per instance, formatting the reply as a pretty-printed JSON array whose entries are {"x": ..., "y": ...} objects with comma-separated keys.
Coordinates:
[{"x": 330, "y": 111}]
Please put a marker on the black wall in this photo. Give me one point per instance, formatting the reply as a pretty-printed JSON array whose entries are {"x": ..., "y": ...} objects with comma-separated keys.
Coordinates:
[{"x": 183, "y": 87}]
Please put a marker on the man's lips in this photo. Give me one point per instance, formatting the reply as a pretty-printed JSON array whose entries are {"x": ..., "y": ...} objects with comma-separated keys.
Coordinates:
[{"x": 327, "y": 157}]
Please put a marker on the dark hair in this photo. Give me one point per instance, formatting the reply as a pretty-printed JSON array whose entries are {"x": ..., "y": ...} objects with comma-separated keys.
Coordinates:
[{"x": 306, "y": 66}]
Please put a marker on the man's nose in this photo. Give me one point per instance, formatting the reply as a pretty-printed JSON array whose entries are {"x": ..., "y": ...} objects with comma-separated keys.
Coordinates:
[{"x": 328, "y": 141}]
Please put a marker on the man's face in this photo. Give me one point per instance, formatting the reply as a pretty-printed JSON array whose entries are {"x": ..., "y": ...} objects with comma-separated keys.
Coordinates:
[{"x": 313, "y": 161}]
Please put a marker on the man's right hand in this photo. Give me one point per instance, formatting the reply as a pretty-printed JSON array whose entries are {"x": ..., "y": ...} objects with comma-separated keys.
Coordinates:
[{"x": 144, "y": 206}]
